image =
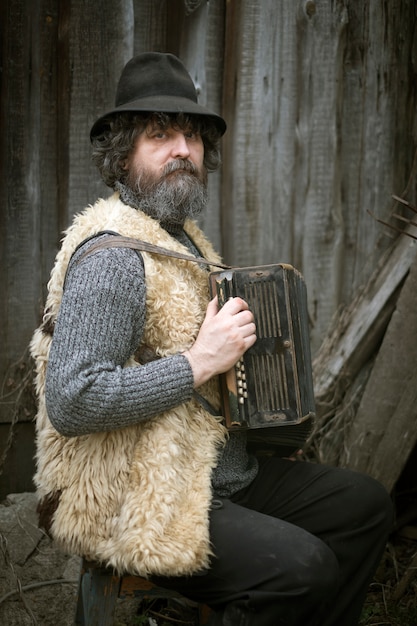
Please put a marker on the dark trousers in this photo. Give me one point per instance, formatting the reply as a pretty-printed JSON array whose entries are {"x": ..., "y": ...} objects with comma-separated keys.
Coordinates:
[{"x": 299, "y": 546}]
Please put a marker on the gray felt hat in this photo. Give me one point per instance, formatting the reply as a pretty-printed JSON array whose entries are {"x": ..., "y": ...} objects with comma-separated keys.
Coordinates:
[{"x": 156, "y": 82}]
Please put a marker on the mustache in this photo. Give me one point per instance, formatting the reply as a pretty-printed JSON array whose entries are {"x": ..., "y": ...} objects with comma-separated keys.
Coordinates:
[{"x": 180, "y": 164}]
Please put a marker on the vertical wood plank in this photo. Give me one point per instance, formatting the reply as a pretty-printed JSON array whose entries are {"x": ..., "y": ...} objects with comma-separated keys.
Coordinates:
[
  {"x": 100, "y": 43},
  {"x": 202, "y": 51},
  {"x": 321, "y": 45},
  {"x": 27, "y": 131}
]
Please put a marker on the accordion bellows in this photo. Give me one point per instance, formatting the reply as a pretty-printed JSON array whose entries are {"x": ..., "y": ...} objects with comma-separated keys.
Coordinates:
[{"x": 272, "y": 385}]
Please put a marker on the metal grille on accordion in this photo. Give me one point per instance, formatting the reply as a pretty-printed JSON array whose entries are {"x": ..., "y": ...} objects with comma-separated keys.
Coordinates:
[{"x": 271, "y": 387}]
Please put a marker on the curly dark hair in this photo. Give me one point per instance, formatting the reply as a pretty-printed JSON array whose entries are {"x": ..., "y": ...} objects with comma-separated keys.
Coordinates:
[{"x": 112, "y": 147}]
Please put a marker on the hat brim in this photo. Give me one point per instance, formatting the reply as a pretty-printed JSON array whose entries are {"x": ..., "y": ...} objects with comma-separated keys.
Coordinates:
[{"x": 160, "y": 104}]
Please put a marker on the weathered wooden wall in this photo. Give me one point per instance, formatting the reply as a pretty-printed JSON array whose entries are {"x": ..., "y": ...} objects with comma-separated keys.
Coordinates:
[{"x": 320, "y": 98}]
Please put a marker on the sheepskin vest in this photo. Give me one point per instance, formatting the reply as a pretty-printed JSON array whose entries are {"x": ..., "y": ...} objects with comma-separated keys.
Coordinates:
[{"x": 137, "y": 498}]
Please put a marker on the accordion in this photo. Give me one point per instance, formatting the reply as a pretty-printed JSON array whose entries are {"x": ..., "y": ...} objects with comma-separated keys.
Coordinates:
[{"x": 269, "y": 392}]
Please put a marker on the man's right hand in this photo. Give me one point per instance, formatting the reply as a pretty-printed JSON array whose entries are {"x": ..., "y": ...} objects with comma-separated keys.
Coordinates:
[{"x": 224, "y": 337}]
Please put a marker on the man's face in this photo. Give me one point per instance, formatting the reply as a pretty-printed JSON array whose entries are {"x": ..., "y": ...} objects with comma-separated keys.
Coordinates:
[
  {"x": 156, "y": 149},
  {"x": 166, "y": 172}
]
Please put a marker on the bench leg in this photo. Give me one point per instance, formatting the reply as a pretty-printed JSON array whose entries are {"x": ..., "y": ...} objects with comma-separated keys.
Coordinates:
[{"x": 98, "y": 591}]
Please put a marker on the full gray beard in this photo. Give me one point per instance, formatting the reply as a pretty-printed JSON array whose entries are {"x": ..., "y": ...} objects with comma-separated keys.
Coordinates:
[{"x": 171, "y": 198}]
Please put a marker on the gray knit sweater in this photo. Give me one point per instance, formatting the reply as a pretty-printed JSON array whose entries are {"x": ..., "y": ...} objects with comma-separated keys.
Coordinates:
[{"x": 100, "y": 324}]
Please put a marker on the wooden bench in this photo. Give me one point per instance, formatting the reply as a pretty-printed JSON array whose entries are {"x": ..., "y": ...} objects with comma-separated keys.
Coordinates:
[{"x": 99, "y": 588}]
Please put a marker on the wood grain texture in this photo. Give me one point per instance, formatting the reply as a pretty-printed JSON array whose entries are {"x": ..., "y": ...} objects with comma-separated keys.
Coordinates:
[
  {"x": 320, "y": 101},
  {"x": 384, "y": 431}
]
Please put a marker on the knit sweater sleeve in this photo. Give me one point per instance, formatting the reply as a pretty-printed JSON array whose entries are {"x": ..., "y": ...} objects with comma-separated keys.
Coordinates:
[{"x": 99, "y": 326}]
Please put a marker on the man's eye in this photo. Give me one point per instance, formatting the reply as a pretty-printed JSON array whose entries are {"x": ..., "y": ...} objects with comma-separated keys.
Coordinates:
[{"x": 157, "y": 134}]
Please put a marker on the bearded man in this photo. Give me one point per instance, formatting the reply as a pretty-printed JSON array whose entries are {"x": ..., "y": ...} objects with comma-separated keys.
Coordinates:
[{"x": 133, "y": 468}]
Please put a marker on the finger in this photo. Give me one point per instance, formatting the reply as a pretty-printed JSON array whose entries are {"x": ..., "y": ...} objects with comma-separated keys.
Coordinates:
[
  {"x": 249, "y": 341},
  {"x": 212, "y": 307},
  {"x": 235, "y": 305},
  {"x": 248, "y": 330},
  {"x": 244, "y": 318}
]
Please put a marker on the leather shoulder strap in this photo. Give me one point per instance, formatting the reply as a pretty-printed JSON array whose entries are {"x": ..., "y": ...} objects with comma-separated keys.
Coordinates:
[{"x": 118, "y": 241}]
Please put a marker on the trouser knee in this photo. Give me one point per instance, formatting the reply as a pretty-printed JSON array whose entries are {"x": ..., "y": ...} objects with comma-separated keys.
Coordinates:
[
  {"x": 320, "y": 573},
  {"x": 298, "y": 595}
]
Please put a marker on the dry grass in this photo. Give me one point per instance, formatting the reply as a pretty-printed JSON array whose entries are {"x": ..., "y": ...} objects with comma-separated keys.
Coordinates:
[{"x": 392, "y": 597}]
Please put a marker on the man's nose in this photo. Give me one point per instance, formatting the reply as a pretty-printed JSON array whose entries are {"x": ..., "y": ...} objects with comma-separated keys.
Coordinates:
[{"x": 180, "y": 148}]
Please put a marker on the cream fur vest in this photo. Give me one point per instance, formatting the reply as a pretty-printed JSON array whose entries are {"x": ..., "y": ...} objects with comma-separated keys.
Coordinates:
[{"x": 138, "y": 498}]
